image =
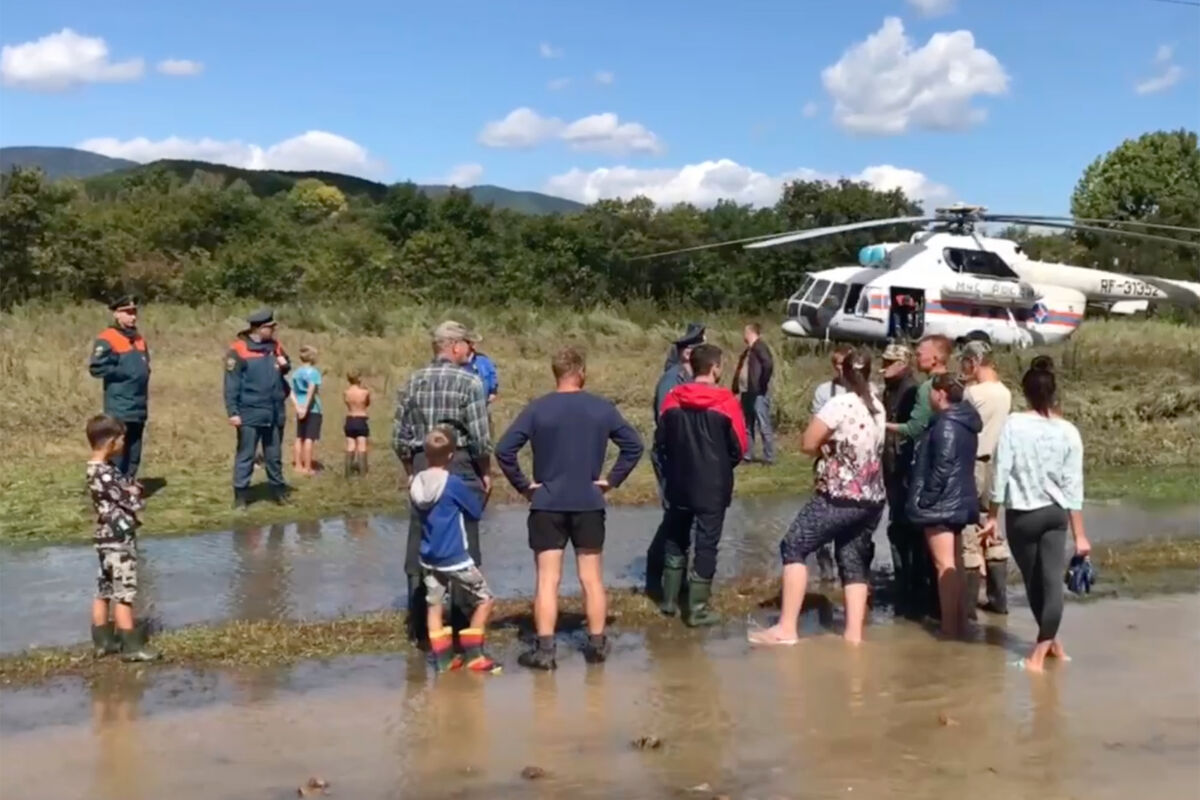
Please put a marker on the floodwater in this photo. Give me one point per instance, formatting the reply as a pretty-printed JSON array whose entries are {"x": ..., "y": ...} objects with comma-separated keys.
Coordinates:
[
  {"x": 903, "y": 716},
  {"x": 329, "y": 568}
]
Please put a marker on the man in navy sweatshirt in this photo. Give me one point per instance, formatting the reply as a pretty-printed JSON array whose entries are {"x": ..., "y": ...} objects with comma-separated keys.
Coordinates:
[
  {"x": 570, "y": 430},
  {"x": 443, "y": 503}
]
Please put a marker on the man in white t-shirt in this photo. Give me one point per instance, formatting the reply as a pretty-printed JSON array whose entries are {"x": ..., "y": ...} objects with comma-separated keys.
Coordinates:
[{"x": 993, "y": 401}]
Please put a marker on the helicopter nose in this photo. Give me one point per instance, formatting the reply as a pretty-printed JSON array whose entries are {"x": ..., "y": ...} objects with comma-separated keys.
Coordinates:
[{"x": 796, "y": 327}]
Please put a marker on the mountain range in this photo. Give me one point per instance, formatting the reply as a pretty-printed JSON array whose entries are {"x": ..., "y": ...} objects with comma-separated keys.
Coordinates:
[{"x": 102, "y": 174}]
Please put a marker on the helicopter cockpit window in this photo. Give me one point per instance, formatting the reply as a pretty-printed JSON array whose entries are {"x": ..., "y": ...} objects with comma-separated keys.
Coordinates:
[
  {"x": 833, "y": 300},
  {"x": 817, "y": 292},
  {"x": 977, "y": 262},
  {"x": 804, "y": 287}
]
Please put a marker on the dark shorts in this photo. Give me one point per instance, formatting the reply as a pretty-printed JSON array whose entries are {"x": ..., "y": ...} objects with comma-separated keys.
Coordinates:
[
  {"x": 551, "y": 530},
  {"x": 356, "y": 428},
  {"x": 309, "y": 427}
]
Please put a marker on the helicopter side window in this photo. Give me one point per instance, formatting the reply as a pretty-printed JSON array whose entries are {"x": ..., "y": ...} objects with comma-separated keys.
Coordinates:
[
  {"x": 977, "y": 262},
  {"x": 852, "y": 299}
]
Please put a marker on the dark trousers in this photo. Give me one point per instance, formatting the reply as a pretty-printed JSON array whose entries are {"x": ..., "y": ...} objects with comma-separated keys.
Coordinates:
[
  {"x": 131, "y": 457},
  {"x": 913, "y": 579},
  {"x": 1038, "y": 541},
  {"x": 461, "y": 603},
  {"x": 708, "y": 525},
  {"x": 248, "y": 439}
]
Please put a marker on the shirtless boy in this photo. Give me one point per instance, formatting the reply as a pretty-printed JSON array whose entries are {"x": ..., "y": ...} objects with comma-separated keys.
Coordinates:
[{"x": 358, "y": 400}]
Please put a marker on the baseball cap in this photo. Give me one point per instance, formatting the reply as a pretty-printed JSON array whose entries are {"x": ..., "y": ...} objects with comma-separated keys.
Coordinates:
[
  {"x": 450, "y": 331},
  {"x": 896, "y": 352}
]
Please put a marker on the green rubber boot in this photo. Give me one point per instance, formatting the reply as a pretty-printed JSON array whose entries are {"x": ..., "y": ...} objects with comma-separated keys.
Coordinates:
[
  {"x": 672, "y": 584},
  {"x": 104, "y": 641},
  {"x": 134, "y": 647},
  {"x": 698, "y": 612}
]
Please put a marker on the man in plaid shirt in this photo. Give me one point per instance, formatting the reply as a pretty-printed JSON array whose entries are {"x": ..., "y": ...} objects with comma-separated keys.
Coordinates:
[{"x": 444, "y": 392}]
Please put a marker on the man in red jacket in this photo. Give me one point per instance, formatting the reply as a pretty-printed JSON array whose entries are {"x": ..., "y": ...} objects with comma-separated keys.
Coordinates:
[{"x": 700, "y": 439}]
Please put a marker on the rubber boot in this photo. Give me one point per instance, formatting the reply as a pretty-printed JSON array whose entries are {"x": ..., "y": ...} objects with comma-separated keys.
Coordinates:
[
  {"x": 596, "y": 649},
  {"x": 699, "y": 614},
  {"x": 350, "y": 464},
  {"x": 477, "y": 660},
  {"x": 441, "y": 649},
  {"x": 997, "y": 587},
  {"x": 672, "y": 584},
  {"x": 104, "y": 640},
  {"x": 362, "y": 463},
  {"x": 971, "y": 594},
  {"x": 240, "y": 500},
  {"x": 416, "y": 624},
  {"x": 541, "y": 656},
  {"x": 134, "y": 647}
]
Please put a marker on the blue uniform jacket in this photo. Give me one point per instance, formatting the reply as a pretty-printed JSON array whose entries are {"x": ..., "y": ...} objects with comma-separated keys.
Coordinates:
[{"x": 255, "y": 389}]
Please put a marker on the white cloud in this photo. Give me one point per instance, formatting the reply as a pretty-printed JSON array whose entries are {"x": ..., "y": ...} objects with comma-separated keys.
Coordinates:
[
  {"x": 60, "y": 61},
  {"x": 1168, "y": 77},
  {"x": 1160, "y": 83},
  {"x": 313, "y": 150},
  {"x": 884, "y": 86},
  {"x": 522, "y": 127},
  {"x": 464, "y": 175},
  {"x": 558, "y": 84},
  {"x": 705, "y": 183},
  {"x": 179, "y": 67},
  {"x": 605, "y": 78},
  {"x": 547, "y": 50},
  {"x": 602, "y": 133},
  {"x": 932, "y": 8},
  {"x": 810, "y": 110},
  {"x": 606, "y": 133}
]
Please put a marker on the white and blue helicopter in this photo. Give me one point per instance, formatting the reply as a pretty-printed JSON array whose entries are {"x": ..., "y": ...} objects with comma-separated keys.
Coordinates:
[{"x": 953, "y": 281}]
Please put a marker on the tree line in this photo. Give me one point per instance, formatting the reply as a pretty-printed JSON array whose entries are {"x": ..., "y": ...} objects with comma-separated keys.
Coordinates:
[{"x": 208, "y": 238}]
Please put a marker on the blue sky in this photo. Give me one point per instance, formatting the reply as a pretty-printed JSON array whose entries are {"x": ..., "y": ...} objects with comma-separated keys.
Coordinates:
[{"x": 999, "y": 103}]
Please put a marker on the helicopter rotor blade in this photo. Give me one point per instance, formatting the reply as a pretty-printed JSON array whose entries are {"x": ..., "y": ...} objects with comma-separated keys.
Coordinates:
[
  {"x": 1090, "y": 221},
  {"x": 816, "y": 233},
  {"x": 1150, "y": 237},
  {"x": 709, "y": 246}
]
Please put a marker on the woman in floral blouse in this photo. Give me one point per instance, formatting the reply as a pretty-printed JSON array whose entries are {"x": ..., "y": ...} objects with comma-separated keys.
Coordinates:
[{"x": 847, "y": 437}]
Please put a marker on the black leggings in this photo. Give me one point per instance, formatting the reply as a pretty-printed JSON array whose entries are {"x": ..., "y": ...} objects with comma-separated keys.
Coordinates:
[{"x": 1038, "y": 540}]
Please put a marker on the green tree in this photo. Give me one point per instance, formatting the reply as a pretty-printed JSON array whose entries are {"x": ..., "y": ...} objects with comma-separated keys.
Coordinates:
[
  {"x": 313, "y": 201},
  {"x": 1154, "y": 178}
]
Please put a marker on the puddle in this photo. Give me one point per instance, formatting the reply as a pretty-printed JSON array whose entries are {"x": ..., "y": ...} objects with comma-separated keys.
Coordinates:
[
  {"x": 334, "y": 567},
  {"x": 904, "y": 715}
]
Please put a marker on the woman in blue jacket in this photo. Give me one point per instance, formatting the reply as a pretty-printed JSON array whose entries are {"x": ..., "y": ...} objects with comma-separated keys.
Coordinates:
[{"x": 941, "y": 497}]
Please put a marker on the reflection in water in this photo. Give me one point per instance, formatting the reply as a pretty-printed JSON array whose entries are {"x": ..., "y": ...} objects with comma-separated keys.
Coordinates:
[
  {"x": 322, "y": 569},
  {"x": 904, "y": 715}
]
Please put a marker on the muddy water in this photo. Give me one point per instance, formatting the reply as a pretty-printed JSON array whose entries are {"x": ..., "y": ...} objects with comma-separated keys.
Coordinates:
[
  {"x": 904, "y": 715},
  {"x": 333, "y": 567}
]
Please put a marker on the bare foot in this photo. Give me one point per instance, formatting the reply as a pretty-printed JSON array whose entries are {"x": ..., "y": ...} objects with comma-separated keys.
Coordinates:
[
  {"x": 774, "y": 635},
  {"x": 852, "y": 639},
  {"x": 1057, "y": 651}
]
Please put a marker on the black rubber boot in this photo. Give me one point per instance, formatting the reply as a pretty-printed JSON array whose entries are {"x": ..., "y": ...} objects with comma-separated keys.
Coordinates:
[
  {"x": 416, "y": 623},
  {"x": 596, "y": 649},
  {"x": 104, "y": 641},
  {"x": 672, "y": 584},
  {"x": 134, "y": 647},
  {"x": 362, "y": 463},
  {"x": 541, "y": 656},
  {"x": 240, "y": 500},
  {"x": 971, "y": 590},
  {"x": 350, "y": 464},
  {"x": 997, "y": 587},
  {"x": 699, "y": 614}
]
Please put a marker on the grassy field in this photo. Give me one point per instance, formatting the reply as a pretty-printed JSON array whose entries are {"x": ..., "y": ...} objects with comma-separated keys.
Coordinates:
[
  {"x": 1132, "y": 386},
  {"x": 1133, "y": 569}
]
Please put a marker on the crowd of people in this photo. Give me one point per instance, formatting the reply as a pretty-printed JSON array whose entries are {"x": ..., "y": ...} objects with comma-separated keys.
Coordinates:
[{"x": 941, "y": 456}]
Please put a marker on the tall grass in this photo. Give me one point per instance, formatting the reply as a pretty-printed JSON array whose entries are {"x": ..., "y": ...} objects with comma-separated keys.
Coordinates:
[{"x": 1132, "y": 386}]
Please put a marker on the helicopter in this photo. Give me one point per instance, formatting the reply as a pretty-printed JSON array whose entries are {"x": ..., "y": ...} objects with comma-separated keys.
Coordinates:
[{"x": 950, "y": 280}]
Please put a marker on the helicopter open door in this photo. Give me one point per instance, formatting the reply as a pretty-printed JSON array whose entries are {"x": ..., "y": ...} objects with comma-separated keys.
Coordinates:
[{"x": 906, "y": 318}]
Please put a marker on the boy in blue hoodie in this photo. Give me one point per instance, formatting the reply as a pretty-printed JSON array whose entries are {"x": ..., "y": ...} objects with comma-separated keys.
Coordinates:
[{"x": 442, "y": 501}]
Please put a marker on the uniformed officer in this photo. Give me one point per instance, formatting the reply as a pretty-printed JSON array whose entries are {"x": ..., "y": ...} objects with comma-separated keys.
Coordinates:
[
  {"x": 121, "y": 360},
  {"x": 255, "y": 394}
]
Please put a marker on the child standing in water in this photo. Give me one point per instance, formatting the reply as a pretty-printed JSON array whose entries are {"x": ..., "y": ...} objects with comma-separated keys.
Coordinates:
[
  {"x": 117, "y": 499},
  {"x": 442, "y": 501},
  {"x": 357, "y": 429},
  {"x": 306, "y": 383}
]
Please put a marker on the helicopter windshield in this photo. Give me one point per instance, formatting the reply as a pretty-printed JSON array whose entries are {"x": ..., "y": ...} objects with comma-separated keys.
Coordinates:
[
  {"x": 977, "y": 262},
  {"x": 817, "y": 292}
]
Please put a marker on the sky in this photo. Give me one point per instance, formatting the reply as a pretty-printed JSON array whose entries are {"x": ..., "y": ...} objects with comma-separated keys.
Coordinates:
[{"x": 995, "y": 103}]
